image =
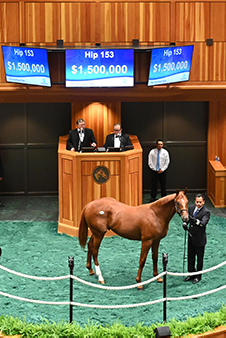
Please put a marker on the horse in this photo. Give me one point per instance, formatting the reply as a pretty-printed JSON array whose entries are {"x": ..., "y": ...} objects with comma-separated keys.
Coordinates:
[{"x": 147, "y": 223}]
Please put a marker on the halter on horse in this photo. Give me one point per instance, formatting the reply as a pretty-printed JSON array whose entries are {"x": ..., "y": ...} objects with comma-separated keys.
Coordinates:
[{"x": 148, "y": 223}]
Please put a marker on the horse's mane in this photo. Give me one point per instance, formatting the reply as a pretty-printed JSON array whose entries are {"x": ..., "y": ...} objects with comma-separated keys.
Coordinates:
[{"x": 163, "y": 200}]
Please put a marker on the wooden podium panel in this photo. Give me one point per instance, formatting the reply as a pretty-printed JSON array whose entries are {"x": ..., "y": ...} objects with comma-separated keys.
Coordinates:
[
  {"x": 217, "y": 184},
  {"x": 84, "y": 177}
]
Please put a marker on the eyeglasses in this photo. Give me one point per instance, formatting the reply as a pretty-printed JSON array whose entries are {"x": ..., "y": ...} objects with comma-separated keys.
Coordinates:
[{"x": 117, "y": 129}]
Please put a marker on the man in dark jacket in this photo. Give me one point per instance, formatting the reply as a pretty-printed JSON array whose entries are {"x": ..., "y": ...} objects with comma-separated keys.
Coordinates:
[
  {"x": 80, "y": 137},
  {"x": 118, "y": 139},
  {"x": 199, "y": 217}
]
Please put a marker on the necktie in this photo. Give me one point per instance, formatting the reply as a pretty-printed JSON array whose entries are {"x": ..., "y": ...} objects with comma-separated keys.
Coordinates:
[
  {"x": 158, "y": 156},
  {"x": 117, "y": 135},
  {"x": 195, "y": 213}
]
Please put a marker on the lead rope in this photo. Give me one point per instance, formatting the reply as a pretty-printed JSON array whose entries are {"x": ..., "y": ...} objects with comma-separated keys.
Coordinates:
[{"x": 185, "y": 235}]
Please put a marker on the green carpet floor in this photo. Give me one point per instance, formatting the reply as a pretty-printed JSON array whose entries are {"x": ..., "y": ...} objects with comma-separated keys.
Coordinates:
[{"x": 35, "y": 248}]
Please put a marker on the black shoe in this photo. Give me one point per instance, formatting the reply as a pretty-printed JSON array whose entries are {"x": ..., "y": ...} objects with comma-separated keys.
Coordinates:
[
  {"x": 1, "y": 205},
  {"x": 187, "y": 279},
  {"x": 196, "y": 280}
]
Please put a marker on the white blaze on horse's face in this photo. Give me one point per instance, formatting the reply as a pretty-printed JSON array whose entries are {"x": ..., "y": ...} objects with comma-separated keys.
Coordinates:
[
  {"x": 101, "y": 212},
  {"x": 181, "y": 208}
]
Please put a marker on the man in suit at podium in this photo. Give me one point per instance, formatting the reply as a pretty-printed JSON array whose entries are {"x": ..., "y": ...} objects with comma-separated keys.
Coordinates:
[
  {"x": 118, "y": 139},
  {"x": 80, "y": 137}
]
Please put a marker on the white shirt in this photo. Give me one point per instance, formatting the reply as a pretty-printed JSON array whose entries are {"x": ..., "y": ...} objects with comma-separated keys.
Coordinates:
[
  {"x": 164, "y": 159},
  {"x": 117, "y": 141},
  {"x": 81, "y": 134}
]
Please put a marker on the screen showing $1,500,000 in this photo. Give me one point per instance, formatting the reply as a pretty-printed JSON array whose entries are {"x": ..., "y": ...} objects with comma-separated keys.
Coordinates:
[
  {"x": 26, "y": 65},
  {"x": 100, "y": 68},
  {"x": 169, "y": 65}
]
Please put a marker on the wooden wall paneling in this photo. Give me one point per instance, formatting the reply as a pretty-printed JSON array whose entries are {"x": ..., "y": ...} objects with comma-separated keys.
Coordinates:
[
  {"x": 78, "y": 22},
  {"x": 42, "y": 22},
  {"x": 91, "y": 190},
  {"x": 134, "y": 181},
  {"x": 192, "y": 21},
  {"x": 185, "y": 21},
  {"x": 200, "y": 68},
  {"x": 22, "y": 22},
  {"x": 202, "y": 13},
  {"x": 217, "y": 63},
  {"x": 112, "y": 116},
  {"x": 113, "y": 186},
  {"x": 218, "y": 20},
  {"x": 124, "y": 21},
  {"x": 67, "y": 210},
  {"x": 160, "y": 30},
  {"x": 2, "y": 71},
  {"x": 9, "y": 22}
]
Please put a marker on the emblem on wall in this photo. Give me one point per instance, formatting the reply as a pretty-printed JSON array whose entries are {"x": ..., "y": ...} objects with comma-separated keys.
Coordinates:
[{"x": 101, "y": 174}]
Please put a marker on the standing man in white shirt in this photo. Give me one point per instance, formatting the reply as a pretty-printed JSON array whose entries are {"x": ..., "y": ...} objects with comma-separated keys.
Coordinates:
[{"x": 158, "y": 161}]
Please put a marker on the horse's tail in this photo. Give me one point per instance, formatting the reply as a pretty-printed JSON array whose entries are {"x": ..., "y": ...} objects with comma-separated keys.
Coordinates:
[{"x": 83, "y": 230}]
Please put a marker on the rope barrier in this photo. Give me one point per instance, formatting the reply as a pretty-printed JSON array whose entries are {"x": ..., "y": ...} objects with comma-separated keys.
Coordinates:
[
  {"x": 32, "y": 277},
  {"x": 120, "y": 306},
  {"x": 198, "y": 295},
  {"x": 33, "y": 300},
  {"x": 119, "y": 287},
  {"x": 113, "y": 288},
  {"x": 197, "y": 272}
]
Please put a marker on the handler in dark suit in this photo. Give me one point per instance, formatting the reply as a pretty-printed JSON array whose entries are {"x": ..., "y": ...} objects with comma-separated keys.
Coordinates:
[
  {"x": 117, "y": 139},
  {"x": 80, "y": 137},
  {"x": 1, "y": 176},
  {"x": 199, "y": 216}
]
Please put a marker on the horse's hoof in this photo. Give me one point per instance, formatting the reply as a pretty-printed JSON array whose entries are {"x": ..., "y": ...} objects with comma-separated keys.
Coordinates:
[
  {"x": 140, "y": 288},
  {"x": 91, "y": 273},
  {"x": 101, "y": 281},
  {"x": 160, "y": 280}
]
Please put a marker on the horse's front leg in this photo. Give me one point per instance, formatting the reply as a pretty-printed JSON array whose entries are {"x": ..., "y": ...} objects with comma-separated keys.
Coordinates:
[
  {"x": 145, "y": 247},
  {"x": 89, "y": 256},
  {"x": 96, "y": 245},
  {"x": 155, "y": 249}
]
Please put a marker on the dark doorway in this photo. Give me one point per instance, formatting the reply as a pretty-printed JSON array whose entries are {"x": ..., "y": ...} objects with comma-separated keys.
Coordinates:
[
  {"x": 29, "y": 135},
  {"x": 183, "y": 127}
]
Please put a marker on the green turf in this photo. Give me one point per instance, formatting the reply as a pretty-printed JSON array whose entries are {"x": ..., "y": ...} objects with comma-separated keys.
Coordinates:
[{"x": 35, "y": 248}]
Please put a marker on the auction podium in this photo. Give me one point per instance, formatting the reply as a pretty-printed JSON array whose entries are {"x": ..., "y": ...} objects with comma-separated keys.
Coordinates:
[
  {"x": 217, "y": 184},
  {"x": 84, "y": 177}
]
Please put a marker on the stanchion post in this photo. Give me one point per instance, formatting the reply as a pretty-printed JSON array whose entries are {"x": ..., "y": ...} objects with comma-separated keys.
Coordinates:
[
  {"x": 71, "y": 267},
  {"x": 164, "y": 262}
]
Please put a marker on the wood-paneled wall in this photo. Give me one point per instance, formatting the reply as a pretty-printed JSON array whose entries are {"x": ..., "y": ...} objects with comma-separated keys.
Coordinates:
[{"x": 118, "y": 22}]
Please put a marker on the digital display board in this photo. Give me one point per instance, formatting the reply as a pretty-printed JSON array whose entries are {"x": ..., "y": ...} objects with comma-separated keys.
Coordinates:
[
  {"x": 169, "y": 65},
  {"x": 26, "y": 65},
  {"x": 99, "y": 67}
]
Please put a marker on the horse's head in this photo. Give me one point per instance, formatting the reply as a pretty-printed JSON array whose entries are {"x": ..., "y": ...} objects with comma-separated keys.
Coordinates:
[{"x": 181, "y": 205}]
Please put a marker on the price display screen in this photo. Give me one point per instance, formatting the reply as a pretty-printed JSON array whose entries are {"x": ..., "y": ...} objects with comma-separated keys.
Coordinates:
[
  {"x": 169, "y": 65},
  {"x": 26, "y": 65},
  {"x": 99, "y": 68}
]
